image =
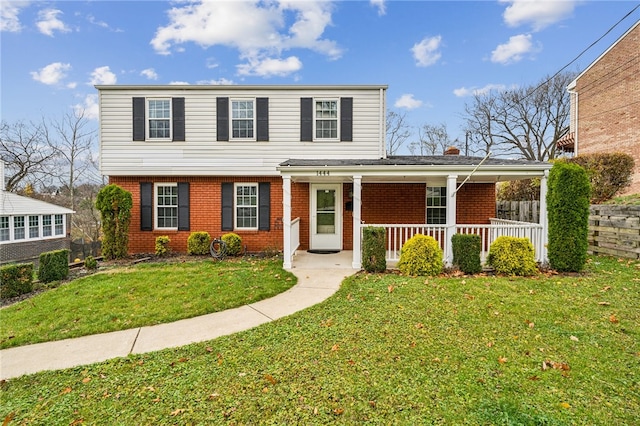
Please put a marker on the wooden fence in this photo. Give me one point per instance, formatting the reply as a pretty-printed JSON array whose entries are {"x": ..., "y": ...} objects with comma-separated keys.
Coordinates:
[
  {"x": 521, "y": 211},
  {"x": 614, "y": 230}
]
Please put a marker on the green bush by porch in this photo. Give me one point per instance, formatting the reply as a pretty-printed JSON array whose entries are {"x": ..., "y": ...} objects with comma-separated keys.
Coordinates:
[
  {"x": 466, "y": 252},
  {"x": 374, "y": 249},
  {"x": 421, "y": 255}
]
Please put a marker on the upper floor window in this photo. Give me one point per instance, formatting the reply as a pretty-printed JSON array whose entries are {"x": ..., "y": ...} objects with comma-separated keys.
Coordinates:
[
  {"x": 326, "y": 119},
  {"x": 167, "y": 206},
  {"x": 159, "y": 118},
  {"x": 242, "y": 119},
  {"x": 436, "y": 205}
]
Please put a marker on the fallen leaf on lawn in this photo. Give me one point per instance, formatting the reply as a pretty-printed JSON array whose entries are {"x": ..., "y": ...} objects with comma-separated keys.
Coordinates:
[
  {"x": 490, "y": 344},
  {"x": 66, "y": 390},
  {"x": 529, "y": 323},
  {"x": 335, "y": 347},
  {"x": 604, "y": 303},
  {"x": 468, "y": 296},
  {"x": 209, "y": 349},
  {"x": 574, "y": 338},
  {"x": 338, "y": 411},
  {"x": 613, "y": 319},
  {"x": 534, "y": 378},
  {"x": 219, "y": 359},
  {"x": 502, "y": 360},
  {"x": 391, "y": 288},
  {"x": 270, "y": 379},
  {"x": 565, "y": 405},
  {"x": 178, "y": 411},
  {"x": 419, "y": 325},
  {"x": 213, "y": 395},
  {"x": 8, "y": 418},
  {"x": 265, "y": 389},
  {"x": 607, "y": 288},
  {"x": 76, "y": 422}
]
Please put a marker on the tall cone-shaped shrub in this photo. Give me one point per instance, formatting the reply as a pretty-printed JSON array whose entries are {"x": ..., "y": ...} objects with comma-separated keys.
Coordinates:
[
  {"x": 568, "y": 213},
  {"x": 114, "y": 204}
]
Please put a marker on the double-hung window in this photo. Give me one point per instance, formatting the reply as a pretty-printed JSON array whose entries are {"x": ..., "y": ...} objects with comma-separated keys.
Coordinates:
[
  {"x": 59, "y": 224},
  {"x": 34, "y": 226},
  {"x": 167, "y": 206},
  {"x": 18, "y": 228},
  {"x": 246, "y": 206},
  {"x": 4, "y": 228},
  {"x": 242, "y": 119},
  {"x": 159, "y": 116},
  {"x": 326, "y": 119},
  {"x": 47, "y": 229},
  {"x": 436, "y": 205}
]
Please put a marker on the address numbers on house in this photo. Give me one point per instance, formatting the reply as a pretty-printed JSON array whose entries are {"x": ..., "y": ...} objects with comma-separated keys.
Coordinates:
[{"x": 322, "y": 173}]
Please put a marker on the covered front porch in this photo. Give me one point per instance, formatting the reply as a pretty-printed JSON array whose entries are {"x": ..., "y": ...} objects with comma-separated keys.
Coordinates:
[{"x": 397, "y": 193}]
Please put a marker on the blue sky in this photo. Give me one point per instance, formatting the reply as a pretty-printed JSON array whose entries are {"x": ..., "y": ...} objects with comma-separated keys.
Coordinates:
[{"x": 433, "y": 54}]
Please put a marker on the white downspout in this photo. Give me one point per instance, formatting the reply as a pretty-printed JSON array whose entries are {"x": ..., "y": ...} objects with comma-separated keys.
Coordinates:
[{"x": 575, "y": 133}]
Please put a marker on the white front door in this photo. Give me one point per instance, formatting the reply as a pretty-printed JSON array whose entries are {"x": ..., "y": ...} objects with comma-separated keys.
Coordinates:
[{"x": 326, "y": 217}]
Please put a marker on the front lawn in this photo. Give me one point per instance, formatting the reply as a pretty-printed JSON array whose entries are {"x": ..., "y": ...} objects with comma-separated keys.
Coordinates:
[
  {"x": 136, "y": 296},
  {"x": 385, "y": 349}
]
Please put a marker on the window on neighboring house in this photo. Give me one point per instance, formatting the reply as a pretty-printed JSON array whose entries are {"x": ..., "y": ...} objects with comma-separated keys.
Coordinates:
[
  {"x": 47, "y": 229},
  {"x": 159, "y": 118},
  {"x": 4, "y": 228},
  {"x": 246, "y": 202},
  {"x": 59, "y": 225},
  {"x": 326, "y": 119},
  {"x": 34, "y": 226},
  {"x": 436, "y": 205},
  {"x": 167, "y": 206},
  {"x": 18, "y": 228},
  {"x": 242, "y": 119}
]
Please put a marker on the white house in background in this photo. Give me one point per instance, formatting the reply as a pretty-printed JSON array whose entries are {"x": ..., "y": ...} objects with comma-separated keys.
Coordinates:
[{"x": 29, "y": 227}]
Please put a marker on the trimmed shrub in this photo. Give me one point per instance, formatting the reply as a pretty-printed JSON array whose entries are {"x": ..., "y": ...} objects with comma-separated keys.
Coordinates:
[
  {"x": 233, "y": 242},
  {"x": 608, "y": 173},
  {"x": 466, "y": 252},
  {"x": 53, "y": 266},
  {"x": 373, "y": 249},
  {"x": 90, "y": 263},
  {"x": 512, "y": 256},
  {"x": 162, "y": 245},
  {"x": 198, "y": 243},
  {"x": 16, "y": 279},
  {"x": 568, "y": 215},
  {"x": 421, "y": 255},
  {"x": 114, "y": 204}
]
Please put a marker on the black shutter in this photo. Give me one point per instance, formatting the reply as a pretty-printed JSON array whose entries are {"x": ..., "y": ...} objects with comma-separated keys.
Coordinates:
[
  {"x": 177, "y": 111},
  {"x": 264, "y": 206},
  {"x": 138, "y": 119},
  {"x": 346, "y": 119},
  {"x": 306, "y": 119},
  {"x": 222, "y": 118},
  {"x": 146, "y": 206},
  {"x": 262, "y": 115},
  {"x": 227, "y": 206},
  {"x": 183, "y": 206}
]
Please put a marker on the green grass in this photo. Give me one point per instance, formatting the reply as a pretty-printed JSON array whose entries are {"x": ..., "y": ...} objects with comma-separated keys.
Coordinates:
[
  {"x": 140, "y": 295},
  {"x": 385, "y": 349}
]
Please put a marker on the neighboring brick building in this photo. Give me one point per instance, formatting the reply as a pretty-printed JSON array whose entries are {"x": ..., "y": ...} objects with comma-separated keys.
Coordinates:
[
  {"x": 288, "y": 168},
  {"x": 605, "y": 104}
]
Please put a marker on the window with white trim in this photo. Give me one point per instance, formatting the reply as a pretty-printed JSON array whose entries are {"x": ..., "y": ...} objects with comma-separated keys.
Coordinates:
[
  {"x": 242, "y": 119},
  {"x": 18, "y": 228},
  {"x": 436, "y": 205},
  {"x": 246, "y": 205},
  {"x": 166, "y": 200},
  {"x": 326, "y": 119},
  {"x": 47, "y": 228},
  {"x": 159, "y": 118},
  {"x": 34, "y": 226},
  {"x": 59, "y": 224},
  {"x": 4, "y": 228}
]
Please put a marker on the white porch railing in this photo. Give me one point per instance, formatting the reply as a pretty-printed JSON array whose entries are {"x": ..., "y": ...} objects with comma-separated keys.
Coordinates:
[
  {"x": 398, "y": 234},
  {"x": 295, "y": 235}
]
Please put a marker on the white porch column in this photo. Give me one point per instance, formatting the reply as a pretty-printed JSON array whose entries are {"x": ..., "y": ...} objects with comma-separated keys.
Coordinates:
[
  {"x": 451, "y": 218},
  {"x": 357, "y": 215},
  {"x": 286, "y": 221},
  {"x": 542, "y": 255}
]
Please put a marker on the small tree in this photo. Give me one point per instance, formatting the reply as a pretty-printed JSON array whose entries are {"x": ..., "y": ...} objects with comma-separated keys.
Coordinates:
[
  {"x": 568, "y": 208},
  {"x": 114, "y": 204},
  {"x": 609, "y": 173}
]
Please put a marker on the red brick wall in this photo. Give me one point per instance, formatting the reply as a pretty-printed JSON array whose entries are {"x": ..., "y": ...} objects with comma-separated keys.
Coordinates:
[
  {"x": 608, "y": 107},
  {"x": 300, "y": 208},
  {"x": 205, "y": 213},
  {"x": 476, "y": 203},
  {"x": 393, "y": 202}
]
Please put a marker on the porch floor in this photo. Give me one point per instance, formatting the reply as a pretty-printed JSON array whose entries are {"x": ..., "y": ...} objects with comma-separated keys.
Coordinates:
[{"x": 306, "y": 260}]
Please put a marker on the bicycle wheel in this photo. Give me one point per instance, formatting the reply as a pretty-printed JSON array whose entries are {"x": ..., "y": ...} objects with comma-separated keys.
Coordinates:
[{"x": 218, "y": 249}]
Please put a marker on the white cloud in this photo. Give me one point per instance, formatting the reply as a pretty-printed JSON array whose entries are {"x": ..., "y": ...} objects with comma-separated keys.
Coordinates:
[
  {"x": 102, "y": 75},
  {"x": 407, "y": 101},
  {"x": 258, "y": 30},
  {"x": 150, "y": 73},
  {"x": 471, "y": 91},
  {"x": 89, "y": 107},
  {"x": 380, "y": 5},
  {"x": 513, "y": 50},
  {"x": 49, "y": 22},
  {"x": 539, "y": 14},
  {"x": 52, "y": 74},
  {"x": 270, "y": 67},
  {"x": 219, "y": 82},
  {"x": 426, "y": 52},
  {"x": 179, "y": 83},
  {"x": 9, "y": 20}
]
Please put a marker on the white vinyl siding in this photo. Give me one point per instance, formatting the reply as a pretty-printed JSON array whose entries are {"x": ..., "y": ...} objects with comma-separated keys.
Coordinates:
[{"x": 202, "y": 154}]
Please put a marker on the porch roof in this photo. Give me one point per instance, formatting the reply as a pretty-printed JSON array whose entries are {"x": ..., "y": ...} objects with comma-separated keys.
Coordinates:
[{"x": 414, "y": 168}]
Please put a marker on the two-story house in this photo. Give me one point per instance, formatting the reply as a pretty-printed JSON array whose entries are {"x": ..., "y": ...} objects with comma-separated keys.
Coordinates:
[{"x": 290, "y": 168}]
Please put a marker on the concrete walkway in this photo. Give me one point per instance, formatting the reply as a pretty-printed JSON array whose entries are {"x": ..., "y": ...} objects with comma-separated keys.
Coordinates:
[{"x": 319, "y": 277}]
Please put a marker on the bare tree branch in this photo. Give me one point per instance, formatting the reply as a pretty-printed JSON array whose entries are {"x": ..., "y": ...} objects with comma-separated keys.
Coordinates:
[{"x": 398, "y": 131}]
